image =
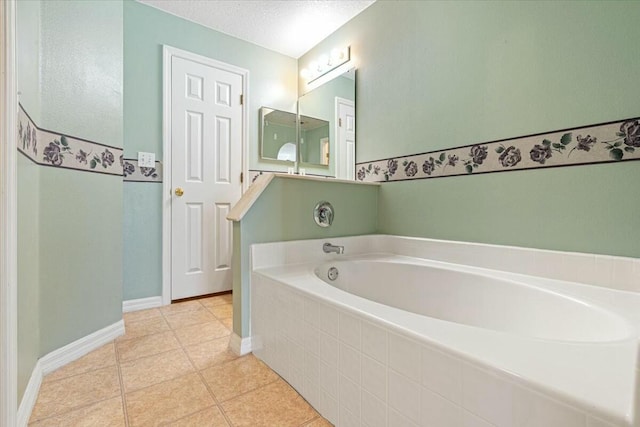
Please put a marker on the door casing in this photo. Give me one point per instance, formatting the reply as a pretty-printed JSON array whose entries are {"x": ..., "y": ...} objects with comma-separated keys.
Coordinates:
[{"x": 167, "y": 53}]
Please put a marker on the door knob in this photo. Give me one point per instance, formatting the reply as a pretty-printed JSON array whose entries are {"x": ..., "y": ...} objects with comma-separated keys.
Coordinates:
[{"x": 179, "y": 192}]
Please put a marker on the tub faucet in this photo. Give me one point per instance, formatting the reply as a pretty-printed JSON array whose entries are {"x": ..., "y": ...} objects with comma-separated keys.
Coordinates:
[{"x": 328, "y": 248}]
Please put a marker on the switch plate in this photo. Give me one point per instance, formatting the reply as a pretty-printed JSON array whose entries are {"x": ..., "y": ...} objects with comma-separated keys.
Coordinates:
[{"x": 146, "y": 160}]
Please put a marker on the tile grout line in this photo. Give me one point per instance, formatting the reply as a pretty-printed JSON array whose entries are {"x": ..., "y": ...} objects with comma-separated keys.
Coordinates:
[{"x": 123, "y": 395}]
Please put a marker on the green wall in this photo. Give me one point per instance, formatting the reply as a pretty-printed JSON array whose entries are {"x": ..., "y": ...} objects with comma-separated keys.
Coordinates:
[
  {"x": 284, "y": 211},
  {"x": 69, "y": 222},
  {"x": 445, "y": 74},
  {"x": 28, "y": 66},
  {"x": 272, "y": 83}
]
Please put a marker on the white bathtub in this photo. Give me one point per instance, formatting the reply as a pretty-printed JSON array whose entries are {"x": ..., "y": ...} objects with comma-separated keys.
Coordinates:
[{"x": 421, "y": 332}]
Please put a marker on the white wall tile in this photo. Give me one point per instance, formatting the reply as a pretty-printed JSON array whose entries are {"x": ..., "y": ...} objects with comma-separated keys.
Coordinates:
[
  {"x": 312, "y": 312},
  {"x": 312, "y": 393},
  {"x": 349, "y": 363},
  {"x": 404, "y": 396},
  {"x": 374, "y": 342},
  {"x": 296, "y": 380},
  {"x": 374, "y": 378},
  {"x": 487, "y": 395},
  {"x": 349, "y": 394},
  {"x": 329, "y": 320},
  {"x": 312, "y": 339},
  {"x": 374, "y": 411},
  {"x": 396, "y": 419},
  {"x": 329, "y": 379},
  {"x": 442, "y": 373},
  {"x": 329, "y": 349},
  {"x": 350, "y": 330},
  {"x": 438, "y": 411},
  {"x": 532, "y": 409},
  {"x": 471, "y": 420},
  {"x": 312, "y": 367},
  {"x": 329, "y": 407},
  {"x": 348, "y": 419},
  {"x": 404, "y": 356}
]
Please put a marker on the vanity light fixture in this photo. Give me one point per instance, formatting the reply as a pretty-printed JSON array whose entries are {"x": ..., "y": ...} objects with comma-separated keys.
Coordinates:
[{"x": 325, "y": 64}]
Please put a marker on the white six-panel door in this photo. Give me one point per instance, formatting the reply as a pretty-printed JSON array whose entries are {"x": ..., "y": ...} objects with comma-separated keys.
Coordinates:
[
  {"x": 346, "y": 139},
  {"x": 206, "y": 162}
]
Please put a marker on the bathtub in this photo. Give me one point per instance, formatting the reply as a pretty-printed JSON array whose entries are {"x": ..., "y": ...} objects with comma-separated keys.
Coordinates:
[{"x": 420, "y": 332}]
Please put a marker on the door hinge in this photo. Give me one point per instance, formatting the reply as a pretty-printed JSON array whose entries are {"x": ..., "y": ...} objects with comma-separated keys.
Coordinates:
[
  {"x": 241, "y": 177},
  {"x": 241, "y": 99},
  {"x": 340, "y": 122}
]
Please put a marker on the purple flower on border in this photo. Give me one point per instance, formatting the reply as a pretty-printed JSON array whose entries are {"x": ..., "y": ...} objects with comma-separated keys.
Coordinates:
[
  {"x": 107, "y": 158},
  {"x": 540, "y": 153},
  {"x": 478, "y": 153},
  {"x": 428, "y": 166},
  {"x": 392, "y": 166},
  {"x": 361, "y": 174},
  {"x": 81, "y": 157},
  {"x": 453, "y": 159},
  {"x": 149, "y": 172},
  {"x": 35, "y": 141},
  {"x": 510, "y": 157},
  {"x": 411, "y": 168},
  {"x": 128, "y": 169},
  {"x": 631, "y": 131},
  {"x": 586, "y": 143},
  {"x": 52, "y": 154}
]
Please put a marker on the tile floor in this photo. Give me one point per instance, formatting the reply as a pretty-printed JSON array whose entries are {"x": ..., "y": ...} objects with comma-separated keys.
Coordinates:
[{"x": 173, "y": 367}]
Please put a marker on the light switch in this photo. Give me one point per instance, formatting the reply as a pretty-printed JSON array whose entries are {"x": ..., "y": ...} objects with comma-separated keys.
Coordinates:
[{"x": 146, "y": 160}]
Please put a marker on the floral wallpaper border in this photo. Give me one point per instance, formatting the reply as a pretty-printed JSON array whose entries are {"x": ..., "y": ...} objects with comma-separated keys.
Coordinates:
[
  {"x": 133, "y": 173},
  {"x": 600, "y": 143},
  {"x": 54, "y": 149}
]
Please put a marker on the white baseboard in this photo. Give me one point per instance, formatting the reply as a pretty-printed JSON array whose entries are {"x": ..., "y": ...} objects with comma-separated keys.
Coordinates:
[
  {"x": 60, "y": 357},
  {"x": 141, "y": 304},
  {"x": 240, "y": 346},
  {"x": 30, "y": 396}
]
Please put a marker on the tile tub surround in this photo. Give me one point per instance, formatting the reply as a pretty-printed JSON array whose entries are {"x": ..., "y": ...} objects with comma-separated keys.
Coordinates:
[
  {"x": 173, "y": 367},
  {"x": 601, "y": 143},
  {"x": 348, "y": 360}
]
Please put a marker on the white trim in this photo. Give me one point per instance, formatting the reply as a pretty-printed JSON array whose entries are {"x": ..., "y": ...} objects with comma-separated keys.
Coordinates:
[
  {"x": 61, "y": 357},
  {"x": 240, "y": 346},
  {"x": 167, "y": 53},
  {"x": 141, "y": 304},
  {"x": 8, "y": 216},
  {"x": 30, "y": 396}
]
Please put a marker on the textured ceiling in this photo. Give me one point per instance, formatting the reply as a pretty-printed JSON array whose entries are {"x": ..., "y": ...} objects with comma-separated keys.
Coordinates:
[{"x": 290, "y": 27}]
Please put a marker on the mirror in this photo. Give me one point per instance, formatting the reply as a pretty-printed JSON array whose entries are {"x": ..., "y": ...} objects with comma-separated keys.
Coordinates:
[
  {"x": 322, "y": 140},
  {"x": 278, "y": 135}
]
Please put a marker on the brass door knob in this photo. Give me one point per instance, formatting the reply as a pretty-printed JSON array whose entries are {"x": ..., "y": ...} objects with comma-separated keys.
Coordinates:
[{"x": 179, "y": 192}]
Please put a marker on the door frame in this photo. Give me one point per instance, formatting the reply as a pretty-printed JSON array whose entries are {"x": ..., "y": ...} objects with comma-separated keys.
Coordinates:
[
  {"x": 341, "y": 101},
  {"x": 168, "y": 52},
  {"x": 8, "y": 217}
]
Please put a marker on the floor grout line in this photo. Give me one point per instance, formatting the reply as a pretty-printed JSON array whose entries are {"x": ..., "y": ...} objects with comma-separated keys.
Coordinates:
[{"x": 123, "y": 395}]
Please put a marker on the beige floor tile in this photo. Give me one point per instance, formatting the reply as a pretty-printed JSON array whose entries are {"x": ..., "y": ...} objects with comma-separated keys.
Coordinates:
[
  {"x": 222, "y": 311},
  {"x": 97, "y": 359},
  {"x": 147, "y": 345},
  {"x": 274, "y": 405},
  {"x": 210, "y": 353},
  {"x": 238, "y": 376},
  {"x": 210, "y": 417},
  {"x": 57, "y": 397},
  {"x": 216, "y": 300},
  {"x": 181, "y": 307},
  {"x": 228, "y": 322},
  {"x": 135, "y": 316},
  {"x": 195, "y": 334},
  {"x": 144, "y": 327},
  {"x": 188, "y": 318},
  {"x": 107, "y": 413},
  {"x": 144, "y": 372},
  {"x": 318, "y": 422},
  {"x": 168, "y": 401}
]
